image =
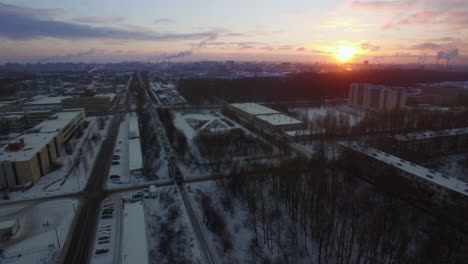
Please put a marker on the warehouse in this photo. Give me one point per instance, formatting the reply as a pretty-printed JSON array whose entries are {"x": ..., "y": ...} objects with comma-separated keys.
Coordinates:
[
  {"x": 432, "y": 186},
  {"x": 266, "y": 116},
  {"x": 30, "y": 156}
]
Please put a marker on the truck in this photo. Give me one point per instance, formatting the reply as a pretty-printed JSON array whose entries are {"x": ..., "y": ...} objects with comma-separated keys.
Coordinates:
[{"x": 152, "y": 191}]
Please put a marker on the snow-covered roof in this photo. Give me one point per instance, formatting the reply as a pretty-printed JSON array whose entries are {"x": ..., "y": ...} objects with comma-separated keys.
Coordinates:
[
  {"x": 47, "y": 101},
  {"x": 279, "y": 119},
  {"x": 8, "y": 224},
  {"x": 57, "y": 121},
  {"x": 255, "y": 109},
  {"x": 134, "y": 130},
  {"x": 33, "y": 144},
  {"x": 412, "y": 168},
  {"x": 110, "y": 95},
  {"x": 134, "y": 155},
  {"x": 41, "y": 135},
  {"x": 135, "y": 248},
  {"x": 432, "y": 134},
  {"x": 294, "y": 133}
]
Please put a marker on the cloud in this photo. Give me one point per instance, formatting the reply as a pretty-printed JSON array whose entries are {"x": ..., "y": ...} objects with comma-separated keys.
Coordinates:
[
  {"x": 285, "y": 47},
  {"x": 369, "y": 46},
  {"x": 68, "y": 57},
  {"x": 426, "y": 46},
  {"x": 99, "y": 20},
  {"x": 448, "y": 55},
  {"x": 17, "y": 24},
  {"x": 300, "y": 49},
  {"x": 380, "y": 5},
  {"x": 163, "y": 21}
]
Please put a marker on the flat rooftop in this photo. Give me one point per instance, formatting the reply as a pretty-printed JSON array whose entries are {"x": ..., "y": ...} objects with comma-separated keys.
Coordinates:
[
  {"x": 135, "y": 158},
  {"x": 134, "y": 130},
  {"x": 412, "y": 168},
  {"x": 135, "y": 248},
  {"x": 255, "y": 109},
  {"x": 47, "y": 101},
  {"x": 57, "y": 121},
  {"x": 279, "y": 119},
  {"x": 40, "y": 136},
  {"x": 33, "y": 144},
  {"x": 432, "y": 134},
  {"x": 110, "y": 95}
]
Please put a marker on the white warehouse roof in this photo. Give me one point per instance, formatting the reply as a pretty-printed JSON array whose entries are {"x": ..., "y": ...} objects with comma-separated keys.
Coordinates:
[
  {"x": 134, "y": 155},
  {"x": 279, "y": 119},
  {"x": 255, "y": 109},
  {"x": 413, "y": 169},
  {"x": 432, "y": 134}
]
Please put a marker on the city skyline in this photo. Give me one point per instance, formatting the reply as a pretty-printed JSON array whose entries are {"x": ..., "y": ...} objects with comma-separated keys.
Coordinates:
[{"x": 303, "y": 31}]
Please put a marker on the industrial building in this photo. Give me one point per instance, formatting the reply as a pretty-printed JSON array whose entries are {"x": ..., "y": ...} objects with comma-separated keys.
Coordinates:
[
  {"x": 30, "y": 156},
  {"x": 93, "y": 105},
  {"x": 266, "y": 116},
  {"x": 135, "y": 157},
  {"x": 440, "y": 95},
  {"x": 430, "y": 143},
  {"x": 376, "y": 97},
  {"x": 433, "y": 187},
  {"x": 45, "y": 103}
]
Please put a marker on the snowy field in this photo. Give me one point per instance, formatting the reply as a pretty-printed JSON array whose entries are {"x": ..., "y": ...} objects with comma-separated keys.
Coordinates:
[
  {"x": 43, "y": 231},
  {"x": 76, "y": 167},
  {"x": 168, "y": 230},
  {"x": 455, "y": 165}
]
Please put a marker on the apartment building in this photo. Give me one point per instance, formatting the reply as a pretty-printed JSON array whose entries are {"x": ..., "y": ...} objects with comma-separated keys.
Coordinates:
[{"x": 376, "y": 97}]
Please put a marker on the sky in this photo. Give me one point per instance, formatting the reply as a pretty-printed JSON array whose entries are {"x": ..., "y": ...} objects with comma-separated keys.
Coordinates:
[{"x": 380, "y": 31}]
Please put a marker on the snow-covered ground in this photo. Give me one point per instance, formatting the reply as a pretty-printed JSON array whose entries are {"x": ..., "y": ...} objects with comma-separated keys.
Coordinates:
[
  {"x": 43, "y": 231},
  {"x": 191, "y": 123},
  {"x": 455, "y": 165},
  {"x": 69, "y": 178},
  {"x": 170, "y": 238},
  {"x": 236, "y": 244}
]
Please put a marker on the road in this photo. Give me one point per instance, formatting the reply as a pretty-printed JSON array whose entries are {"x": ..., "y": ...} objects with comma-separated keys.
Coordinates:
[
  {"x": 77, "y": 247},
  {"x": 174, "y": 170}
]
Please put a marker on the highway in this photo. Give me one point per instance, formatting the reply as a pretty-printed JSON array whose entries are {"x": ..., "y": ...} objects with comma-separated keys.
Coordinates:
[{"x": 174, "y": 170}]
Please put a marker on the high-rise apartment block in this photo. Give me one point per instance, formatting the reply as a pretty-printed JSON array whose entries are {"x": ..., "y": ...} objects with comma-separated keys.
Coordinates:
[{"x": 376, "y": 97}]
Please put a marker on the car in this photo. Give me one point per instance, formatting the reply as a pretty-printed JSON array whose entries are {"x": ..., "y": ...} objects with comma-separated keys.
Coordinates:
[
  {"x": 103, "y": 242},
  {"x": 101, "y": 237},
  {"x": 106, "y": 226},
  {"x": 137, "y": 195},
  {"x": 104, "y": 233},
  {"x": 114, "y": 176},
  {"x": 115, "y": 163},
  {"x": 115, "y": 159},
  {"x": 106, "y": 216},
  {"x": 101, "y": 250},
  {"x": 108, "y": 210}
]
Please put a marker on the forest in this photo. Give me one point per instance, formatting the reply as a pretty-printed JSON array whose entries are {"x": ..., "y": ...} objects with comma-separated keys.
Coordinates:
[{"x": 304, "y": 86}]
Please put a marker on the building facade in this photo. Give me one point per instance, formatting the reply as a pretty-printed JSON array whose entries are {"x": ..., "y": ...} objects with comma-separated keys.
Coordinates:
[
  {"x": 30, "y": 156},
  {"x": 432, "y": 188},
  {"x": 376, "y": 97},
  {"x": 91, "y": 105}
]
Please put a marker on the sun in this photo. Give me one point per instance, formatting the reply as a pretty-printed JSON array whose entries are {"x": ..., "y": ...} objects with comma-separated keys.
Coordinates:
[{"x": 345, "y": 53}]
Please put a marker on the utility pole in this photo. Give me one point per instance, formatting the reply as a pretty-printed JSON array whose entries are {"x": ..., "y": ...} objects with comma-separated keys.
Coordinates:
[{"x": 58, "y": 240}]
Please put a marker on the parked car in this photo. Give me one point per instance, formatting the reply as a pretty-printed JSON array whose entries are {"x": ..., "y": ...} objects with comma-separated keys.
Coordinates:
[
  {"x": 101, "y": 250},
  {"x": 115, "y": 163},
  {"x": 103, "y": 242}
]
